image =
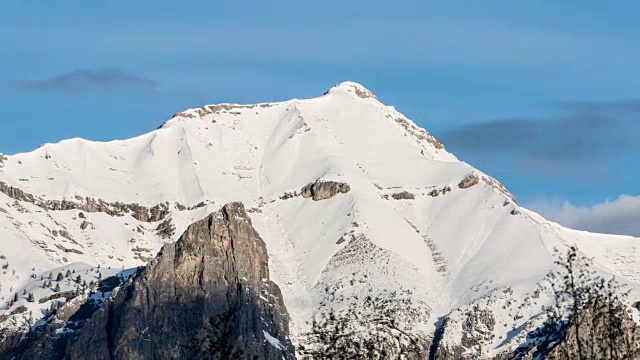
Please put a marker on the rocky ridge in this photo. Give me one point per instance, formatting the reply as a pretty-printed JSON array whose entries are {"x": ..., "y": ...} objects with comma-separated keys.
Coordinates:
[
  {"x": 207, "y": 295},
  {"x": 92, "y": 205}
]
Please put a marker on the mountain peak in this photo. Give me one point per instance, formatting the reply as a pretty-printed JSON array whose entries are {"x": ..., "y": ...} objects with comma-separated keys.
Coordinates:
[
  {"x": 351, "y": 198},
  {"x": 352, "y": 87}
]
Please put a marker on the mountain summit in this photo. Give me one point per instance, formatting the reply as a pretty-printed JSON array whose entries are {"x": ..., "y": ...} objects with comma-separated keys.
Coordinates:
[
  {"x": 352, "y": 87},
  {"x": 351, "y": 198}
]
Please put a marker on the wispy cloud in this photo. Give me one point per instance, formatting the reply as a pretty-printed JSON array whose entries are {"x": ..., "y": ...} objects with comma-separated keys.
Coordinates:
[
  {"x": 84, "y": 80},
  {"x": 582, "y": 138},
  {"x": 620, "y": 216}
]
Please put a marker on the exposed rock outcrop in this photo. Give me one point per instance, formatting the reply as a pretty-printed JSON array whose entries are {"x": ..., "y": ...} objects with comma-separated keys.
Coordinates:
[
  {"x": 469, "y": 181},
  {"x": 218, "y": 109},
  {"x": 206, "y": 296},
  {"x": 324, "y": 189},
  {"x": 166, "y": 229},
  {"x": 86, "y": 225},
  {"x": 91, "y": 205},
  {"x": 419, "y": 133},
  {"x": 474, "y": 179},
  {"x": 436, "y": 192},
  {"x": 404, "y": 195},
  {"x": 289, "y": 195},
  {"x": 497, "y": 186}
]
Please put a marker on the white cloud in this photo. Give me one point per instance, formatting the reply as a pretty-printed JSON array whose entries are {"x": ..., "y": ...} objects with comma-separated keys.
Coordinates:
[{"x": 620, "y": 216}]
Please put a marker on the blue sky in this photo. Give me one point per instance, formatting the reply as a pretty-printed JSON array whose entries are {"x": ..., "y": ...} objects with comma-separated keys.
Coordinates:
[{"x": 543, "y": 95}]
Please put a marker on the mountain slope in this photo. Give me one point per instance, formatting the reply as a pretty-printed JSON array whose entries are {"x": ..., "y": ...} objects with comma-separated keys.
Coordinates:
[{"x": 414, "y": 218}]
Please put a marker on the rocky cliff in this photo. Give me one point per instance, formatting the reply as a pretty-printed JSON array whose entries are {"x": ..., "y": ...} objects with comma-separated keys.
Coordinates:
[{"x": 207, "y": 296}]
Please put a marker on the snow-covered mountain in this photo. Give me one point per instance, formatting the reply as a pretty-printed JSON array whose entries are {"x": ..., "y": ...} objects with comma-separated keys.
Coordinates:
[{"x": 350, "y": 197}]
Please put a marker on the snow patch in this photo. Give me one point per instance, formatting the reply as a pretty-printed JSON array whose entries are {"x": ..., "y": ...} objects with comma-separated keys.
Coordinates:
[{"x": 273, "y": 341}]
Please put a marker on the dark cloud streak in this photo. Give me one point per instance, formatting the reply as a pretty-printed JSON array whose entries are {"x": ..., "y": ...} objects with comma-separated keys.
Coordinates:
[
  {"x": 580, "y": 134},
  {"x": 78, "y": 81}
]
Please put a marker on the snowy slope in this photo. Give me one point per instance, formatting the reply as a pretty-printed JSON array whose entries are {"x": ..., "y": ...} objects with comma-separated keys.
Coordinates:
[{"x": 451, "y": 245}]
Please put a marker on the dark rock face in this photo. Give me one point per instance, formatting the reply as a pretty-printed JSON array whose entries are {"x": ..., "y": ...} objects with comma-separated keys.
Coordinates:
[
  {"x": 404, "y": 195},
  {"x": 323, "y": 189},
  {"x": 207, "y": 296}
]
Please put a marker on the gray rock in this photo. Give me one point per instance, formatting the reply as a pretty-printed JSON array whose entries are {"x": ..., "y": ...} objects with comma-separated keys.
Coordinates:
[
  {"x": 443, "y": 191},
  {"x": 469, "y": 181},
  {"x": 404, "y": 195},
  {"x": 323, "y": 189}
]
